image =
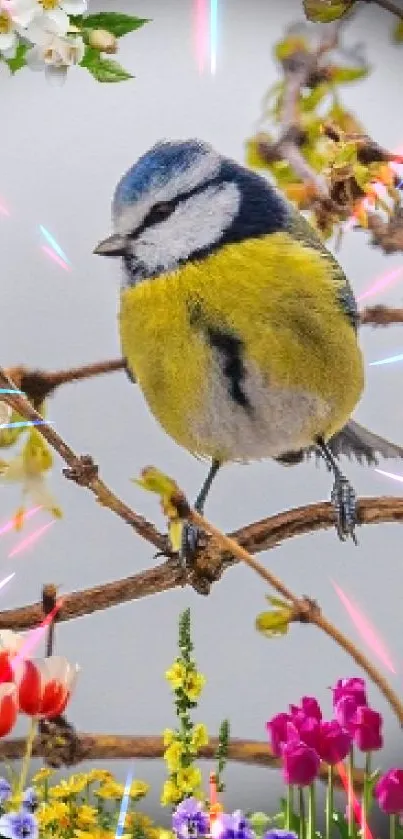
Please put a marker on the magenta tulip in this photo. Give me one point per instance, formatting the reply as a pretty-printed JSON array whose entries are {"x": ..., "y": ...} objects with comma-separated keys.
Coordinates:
[
  {"x": 368, "y": 730},
  {"x": 300, "y": 764},
  {"x": 309, "y": 708},
  {"x": 334, "y": 742},
  {"x": 346, "y": 713},
  {"x": 277, "y": 731},
  {"x": 354, "y": 688},
  {"x": 389, "y": 792}
]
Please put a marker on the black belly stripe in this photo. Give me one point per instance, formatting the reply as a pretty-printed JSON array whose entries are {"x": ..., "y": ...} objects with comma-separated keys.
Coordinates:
[{"x": 230, "y": 349}]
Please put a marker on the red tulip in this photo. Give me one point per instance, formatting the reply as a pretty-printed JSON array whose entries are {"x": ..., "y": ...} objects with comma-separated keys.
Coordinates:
[
  {"x": 10, "y": 645},
  {"x": 388, "y": 792},
  {"x": 368, "y": 730},
  {"x": 8, "y": 707},
  {"x": 334, "y": 742},
  {"x": 300, "y": 764},
  {"x": 45, "y": 686}
]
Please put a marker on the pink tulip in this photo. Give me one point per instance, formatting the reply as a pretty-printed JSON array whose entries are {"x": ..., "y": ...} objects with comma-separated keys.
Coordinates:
[
  {"x": 368, "y": 730},
  {"x": 354, "y": 688},
  {"x": 334, "y": 742},
  {"x": 300, "y": 764},
  {"x": 388, "y": 792},
  {"x": 277, "y": 731}
]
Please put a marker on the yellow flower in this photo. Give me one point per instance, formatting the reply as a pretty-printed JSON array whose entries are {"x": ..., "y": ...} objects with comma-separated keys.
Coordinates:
[
  {"x": 138, "y": 790},
  {"x": 43, "y": 775},
  {"x": 57, "y": 812},
  {"x": 168, "y": 736},
  {"x": 199, "y": 736},
  {"x": 194, "y": 685},
  {"x": 111, "y": 789},
  {"x": 165, "y": 834},
  {"x": 171, "y": 794},
  {"x": 68, "y": 788},
  {"x": 173, "y": 754},
  {"x": 188, "y": 779},
  {"x": 176, "y": 675},
  {"x": 101, "y": 775},
  {"x": 140, "y": 823},
  {"x": 98, "y": 833},
  {"x": 86, "y": 816}
]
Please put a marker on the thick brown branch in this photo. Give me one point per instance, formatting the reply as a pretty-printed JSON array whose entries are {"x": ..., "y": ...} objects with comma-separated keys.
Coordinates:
[
  {"x": 211, "y": 562},
  {"x": 381, "y": 316},
  {"x": 151, "y": 747}
]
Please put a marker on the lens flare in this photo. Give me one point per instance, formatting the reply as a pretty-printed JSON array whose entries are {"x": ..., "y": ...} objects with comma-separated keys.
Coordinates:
[
  {"x": 201, "y": 25},
  {"x": 3, "y": 210},
  {"x": 365, "y": 629},
  {"x": 10, "y": 525},
  {"x": 381, "y": 283},
  {"x": 213, "y": 35},
  {"x": 52, "y": 255},
  {"x": 124, "y": 806},
  {"x": 6, "y": 580},
  {"x": 30, "y": 540},
  {"x": 10, "y": 390},
  {"x": 53, "y": 244},
  {"x": 25, "y": 423},
  {"x": 358, "y": 814},
  {"x": 392, "y": 359},
  {"x": 390, "y": 475},
  {"x": 35, "y": 635}
]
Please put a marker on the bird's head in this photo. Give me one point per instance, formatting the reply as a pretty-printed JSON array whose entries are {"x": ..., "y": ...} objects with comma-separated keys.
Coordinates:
[{"x": 180, "y": 201}]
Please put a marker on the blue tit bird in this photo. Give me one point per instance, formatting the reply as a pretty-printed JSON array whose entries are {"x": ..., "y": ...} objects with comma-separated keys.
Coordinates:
[{"x": 236, "y": 322}]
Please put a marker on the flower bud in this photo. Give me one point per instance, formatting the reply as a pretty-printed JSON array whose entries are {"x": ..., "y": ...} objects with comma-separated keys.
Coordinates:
[{"x": 102, "y": 40}]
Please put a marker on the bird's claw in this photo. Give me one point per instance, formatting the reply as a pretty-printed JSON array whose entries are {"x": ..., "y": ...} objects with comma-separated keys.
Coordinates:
[
  {"x": 189, "y": 544},
  {"x": 344, "y": 503}
]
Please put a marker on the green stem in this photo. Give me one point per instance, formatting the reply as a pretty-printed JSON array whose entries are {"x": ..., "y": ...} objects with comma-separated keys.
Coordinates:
[
  {"x": 28, "y": 754},
  {"x": 302, "y": 818},
  {"x": 289, "y": 807},
  {"x": 350, "y": 794},
  {"x": 329, "y": 802},
  {"x": 311, "y": 811},
  {"x": 365, "y": 796},
  {"x": 393, "y": 826}
]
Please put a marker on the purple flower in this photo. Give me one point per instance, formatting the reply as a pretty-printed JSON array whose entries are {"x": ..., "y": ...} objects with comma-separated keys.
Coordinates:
[
  {"x": 280, "y": 834},
  {"x": 21, "y": 825},
  {"x": 354, "y": 688},
  {"x": 5, "y": 790},
  {"x": 346, "y": 713},
  {"x": 389, "y": 792},
  {"x": 309, "y": 708},
  {"x": 30, "y": 800},
  {"x": 189, "y": 819},
  {"x": 234, "y": 826},
  {"x": 277, "y": 731},
  {"x": 334, "y": 742},
  {"x": 300, "y": 763},
  {"x": 368, "y": 730}
]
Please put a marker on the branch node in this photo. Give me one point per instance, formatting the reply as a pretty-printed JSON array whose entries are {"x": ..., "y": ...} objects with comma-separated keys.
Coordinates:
[
  {"x": 306, "y": 610},
  {"x": 84, "y": 472}
]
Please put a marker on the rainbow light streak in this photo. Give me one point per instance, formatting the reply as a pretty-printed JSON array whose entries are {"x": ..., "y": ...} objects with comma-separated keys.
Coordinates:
[
  {"x": 358, "y": 814},
  {"x": 213, "y": 35},
  {"x": 366, "y": 630},
  {"x": 11, "y": 390},
  {"x": 124, "y": 805},
  {"x": 382, "y": 283},
  {"x": 390, "y": 475},
  {"x": 4, "y": 211},
  {"x": 30, "y": 539},
  {"x": 11, "y": 524},
  {"x": 25, "y": 424},
  {"x": 52, "y": 255},
  {"x": 53, "y": 244},
  {"x": 35, "y": 635},
  {"x": 6, "y": 580},
  {"x": 390, "y": 360},
  {"x": 201, "y": 33}
]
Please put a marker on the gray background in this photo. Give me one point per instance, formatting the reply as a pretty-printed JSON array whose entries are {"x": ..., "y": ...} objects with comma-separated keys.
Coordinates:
[{"x": 62, "y": 151}]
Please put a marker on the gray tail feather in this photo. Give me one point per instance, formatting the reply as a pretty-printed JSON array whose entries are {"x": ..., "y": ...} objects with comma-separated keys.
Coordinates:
[{"x": 355, "y": 441}]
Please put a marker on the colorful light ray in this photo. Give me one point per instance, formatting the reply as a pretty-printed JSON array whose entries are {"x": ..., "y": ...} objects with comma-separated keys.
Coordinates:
[
  {"x": 365, "y": 629},
  {"x": 52, "y": 255},
  {"x": 390, "y": 475},
  {"x": 10, "y": 525},
  {"x": 6, "y": 580},
  {"x": 392, "y": 359},
  {"x": 30, "y": 540},
  {"x": 10, "y": 390},
  {"x": 382, "y": 283},
  {"x": 213, "y": 35},
  {"x": 201, "y": 24},
  {"x": 124, "y": 806},
  {"x": 35, "y": 635},
  {"x": 25, "y": 423},
  {"x": 358, "y": 814},
  {"x": 53, "y": 244},
  {"x": 3, "y": 210}
]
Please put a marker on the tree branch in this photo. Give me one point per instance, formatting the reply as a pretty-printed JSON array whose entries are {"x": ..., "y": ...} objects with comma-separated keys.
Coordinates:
[
  {"x": 380, "y": 316},
  {"x": 389, "y": 6}
]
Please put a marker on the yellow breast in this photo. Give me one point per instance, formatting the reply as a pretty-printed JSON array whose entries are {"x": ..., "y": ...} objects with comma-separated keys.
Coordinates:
[{"x": 275, "y": 294}]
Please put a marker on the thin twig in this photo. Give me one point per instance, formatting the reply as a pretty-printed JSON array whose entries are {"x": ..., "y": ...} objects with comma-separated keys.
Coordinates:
[{"x": 389, "y": 6}]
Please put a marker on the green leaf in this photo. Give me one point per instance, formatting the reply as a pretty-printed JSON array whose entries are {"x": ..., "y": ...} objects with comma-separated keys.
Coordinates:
[
  {"x": 115, "y": 22},
  {"x": 273, "y": 624},
  {"x": 276, "y": 601},
  {"x": 398, "y": 33},
  {"x": 324, "y": 11},
  {"x": 259, "y": 822},
  {"x": 341, "y": 75},
  {"x": 19, "y": 60},
  {"x": 103, "y": 69}
]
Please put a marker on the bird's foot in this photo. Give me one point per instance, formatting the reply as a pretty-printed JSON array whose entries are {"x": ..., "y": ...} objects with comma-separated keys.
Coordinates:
[
  {"x": 344, "y": 503},
  {"x": 189, "y": 544}
]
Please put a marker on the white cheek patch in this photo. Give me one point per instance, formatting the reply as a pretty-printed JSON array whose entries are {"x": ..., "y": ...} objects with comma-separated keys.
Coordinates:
[
  {"x": 196, "y": 223},
  {"x": 129, "y": 217}
]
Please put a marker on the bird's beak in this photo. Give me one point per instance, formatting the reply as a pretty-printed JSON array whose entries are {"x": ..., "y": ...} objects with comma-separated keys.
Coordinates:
[{"x": 114, "y": 245}]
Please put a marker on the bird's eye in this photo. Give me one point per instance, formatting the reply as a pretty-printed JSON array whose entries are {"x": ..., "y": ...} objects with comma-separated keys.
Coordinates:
[{"x": 161, "y": 211}]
